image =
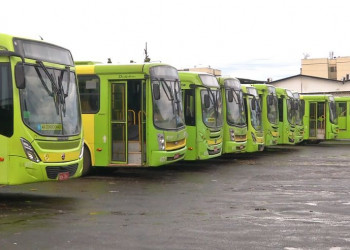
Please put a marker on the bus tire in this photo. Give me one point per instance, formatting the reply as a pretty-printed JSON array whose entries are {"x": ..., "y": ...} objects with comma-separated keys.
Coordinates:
[{"x": 86, "y": 162}]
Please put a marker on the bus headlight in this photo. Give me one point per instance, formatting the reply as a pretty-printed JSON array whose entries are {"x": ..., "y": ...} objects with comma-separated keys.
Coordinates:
[
  {"x": 232, "y": 134},
  {"x": 29, "y": 150},
  {"x": 161, "y": 142},
  {"x": 81, "y": 151},
  {"x": 253, "y": 137}
]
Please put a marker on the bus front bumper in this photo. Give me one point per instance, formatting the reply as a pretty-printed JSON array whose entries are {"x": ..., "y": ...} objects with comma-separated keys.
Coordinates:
[
  {"x": 159, "y": 157},
  {"x": 22, "y": 170}
]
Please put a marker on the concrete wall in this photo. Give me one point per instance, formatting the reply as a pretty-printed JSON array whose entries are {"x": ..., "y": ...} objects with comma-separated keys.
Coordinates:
[{"x": 315, "y": 67}]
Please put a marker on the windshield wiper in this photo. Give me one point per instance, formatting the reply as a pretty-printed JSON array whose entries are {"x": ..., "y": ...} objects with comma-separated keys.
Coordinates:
[
  {"x": 176, "y": 93},
  {"x": 63, "y": 95},
  {"x": 167, "y": 89},
  {"x": 168, "y": 92},
  {"x": 55, "y": 92},
  {"x": 215, "y": 103},
  {"x": 43, "y": 82}
]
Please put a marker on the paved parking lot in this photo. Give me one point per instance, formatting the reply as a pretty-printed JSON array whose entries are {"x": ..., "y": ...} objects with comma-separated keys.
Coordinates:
[{"x": 290, "y": 197}]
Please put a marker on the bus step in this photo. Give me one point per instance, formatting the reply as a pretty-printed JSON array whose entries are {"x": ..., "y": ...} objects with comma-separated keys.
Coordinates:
[
  {"x": 134, "y": 146},
  {"x": 134, "y": 158}
]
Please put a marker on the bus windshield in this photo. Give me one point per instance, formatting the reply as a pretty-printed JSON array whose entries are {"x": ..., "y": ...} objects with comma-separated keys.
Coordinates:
[
  {"x": 235, "y": 113},
  {"x": 167, "y": 108},
  {"x": 332, "y": 112},
  {"x": 256, "y": 114},
  {"x": 298, "y": 112},
  {"x": 290, "y": 112},
  {"x": 50, "y": 107},
  {"x": 255, "y": 109},
  {"x": 211, "y": 110},
  {"x": 272, "y": 106}
]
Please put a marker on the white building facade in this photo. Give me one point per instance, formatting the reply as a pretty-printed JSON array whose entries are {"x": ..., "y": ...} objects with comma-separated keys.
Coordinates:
[{"x": 304, "y": 84}]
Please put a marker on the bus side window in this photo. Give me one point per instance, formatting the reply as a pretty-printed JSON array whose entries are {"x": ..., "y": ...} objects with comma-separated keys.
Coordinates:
[
  {"x": 341, "y": 108},
  {"x": 89, "y": 88},
  {"x": 6, "y": 101}
]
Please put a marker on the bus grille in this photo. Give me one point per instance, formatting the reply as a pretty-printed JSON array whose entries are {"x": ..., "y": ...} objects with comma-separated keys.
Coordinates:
[
  {"x": 52, "y": 172},
  {"x": 214, "y": 152},
  {"x": 240, "y": 138}
]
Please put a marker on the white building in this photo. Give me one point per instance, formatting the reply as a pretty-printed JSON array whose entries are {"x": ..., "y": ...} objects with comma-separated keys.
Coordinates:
[{"x": 313, "y": 85}]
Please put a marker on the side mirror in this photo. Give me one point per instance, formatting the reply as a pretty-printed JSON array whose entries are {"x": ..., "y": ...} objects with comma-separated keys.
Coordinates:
[
  {"x": 230, "y": 95},
  {"x": 206, "y": 101},
  {"x": 19, "y": 75},
  {"x": 156, "y": 91}
]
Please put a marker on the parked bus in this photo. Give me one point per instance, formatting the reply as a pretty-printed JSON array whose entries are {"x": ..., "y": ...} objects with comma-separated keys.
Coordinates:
[
  {"x": 343, "y": 114},
  {"x": 286, "y": 125},
  {"x": 203, "y": 115},
  {"x": 40, "y": 129},
  {"x": 255, "y": 133},
  {"x": 299, "y": 107},
  {"x": 132, "y": 114},
  {"x": 234, "y": 117},
  {"x": 269, "y": 106},
  {"x": 320, "y": 118}
]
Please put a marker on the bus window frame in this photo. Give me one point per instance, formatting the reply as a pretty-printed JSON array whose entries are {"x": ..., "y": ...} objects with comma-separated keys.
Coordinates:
[
  {"x": 9, "y": 94},
  {"x": 97, "y": 94}
]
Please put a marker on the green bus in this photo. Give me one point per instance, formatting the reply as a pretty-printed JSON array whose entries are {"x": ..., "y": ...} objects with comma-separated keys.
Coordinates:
[
  {"x": 320, "y": 118},
  {"x": 286, "y": 125},
  {"x": 203, "y": 115},
  {"x": 234, "y": 117},
  {"x": 255, "y": 132},
  {"x": 342, "y": 107},
  {"x": 41, "y": 135},
  {"x": 132, "y": 114},
  {"x": 269, "y": 106},
  {"x": 299, "y": 108}
]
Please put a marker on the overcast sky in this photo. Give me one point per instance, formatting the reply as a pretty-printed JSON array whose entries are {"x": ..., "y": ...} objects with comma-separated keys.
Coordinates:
[{"x": 256, "y": 39}]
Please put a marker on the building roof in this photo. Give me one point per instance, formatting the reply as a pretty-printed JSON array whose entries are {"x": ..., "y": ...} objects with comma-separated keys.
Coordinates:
[{"x": 306, "y": 76}]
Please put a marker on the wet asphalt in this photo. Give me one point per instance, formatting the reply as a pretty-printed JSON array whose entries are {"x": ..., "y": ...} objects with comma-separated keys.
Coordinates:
[{"x": 288, "y": 197}]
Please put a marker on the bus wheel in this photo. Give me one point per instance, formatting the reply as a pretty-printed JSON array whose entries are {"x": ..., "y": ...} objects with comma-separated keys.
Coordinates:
[{"x": 86, "y": 162}]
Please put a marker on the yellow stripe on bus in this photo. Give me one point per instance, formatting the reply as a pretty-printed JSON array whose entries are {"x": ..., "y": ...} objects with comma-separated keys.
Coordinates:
[
  {"x": 175, "y": 145},
  {"x": 215, "y": 141},
  {"x": 60, "y": 157},
  {"x": 85, "y": 70}
]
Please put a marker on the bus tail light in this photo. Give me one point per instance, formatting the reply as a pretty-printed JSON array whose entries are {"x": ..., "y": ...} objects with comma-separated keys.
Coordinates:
[
  {"x": 2, "y": 159},
  {"x": 161, "y": 142},
  {"x": 29, "y": 150}
]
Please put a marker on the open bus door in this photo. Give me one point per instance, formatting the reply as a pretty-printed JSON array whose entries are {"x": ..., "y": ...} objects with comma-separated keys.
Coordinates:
[
  {"x": 119, "y": 122},
  {"x": 317, "y": 120},
  {"x": 128, "y": 122}
]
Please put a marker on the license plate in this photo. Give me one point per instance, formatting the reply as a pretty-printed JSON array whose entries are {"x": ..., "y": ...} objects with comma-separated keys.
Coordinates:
[
  {"x": 63, "y": 176},
  {"x": 176, "y": 156}
]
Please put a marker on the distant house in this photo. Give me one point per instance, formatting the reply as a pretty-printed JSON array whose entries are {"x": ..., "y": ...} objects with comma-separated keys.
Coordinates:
[{"x": 305, "y": 84}]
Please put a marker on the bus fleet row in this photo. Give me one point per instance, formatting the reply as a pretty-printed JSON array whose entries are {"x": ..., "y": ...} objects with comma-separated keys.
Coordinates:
[{"x": 147, "y": 114}]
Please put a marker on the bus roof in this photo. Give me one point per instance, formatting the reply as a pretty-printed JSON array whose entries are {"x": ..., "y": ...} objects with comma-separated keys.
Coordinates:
[
  {"x": 195, "y": 78},
  {"x": 89, "y": 68},
  {"x": 342, "y": 98},
  {"x": 36, "y": 49},
  {"x": 316, "y": 97}
]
